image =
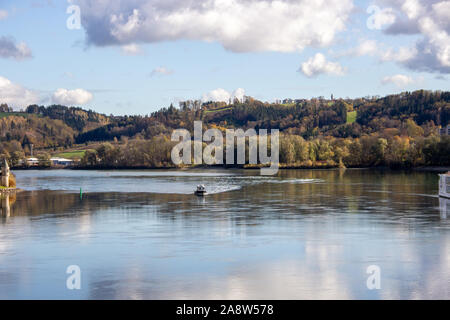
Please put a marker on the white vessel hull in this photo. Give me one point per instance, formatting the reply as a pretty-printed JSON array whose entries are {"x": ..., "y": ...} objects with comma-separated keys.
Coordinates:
[{"x": 444, "y": 185}]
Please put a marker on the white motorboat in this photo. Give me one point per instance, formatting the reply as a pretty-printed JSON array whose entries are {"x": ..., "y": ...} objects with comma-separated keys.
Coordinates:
[{"x": 201, "y": 191}]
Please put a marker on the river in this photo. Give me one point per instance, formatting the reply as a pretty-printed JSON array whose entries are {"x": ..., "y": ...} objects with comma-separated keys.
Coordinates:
[{"x": 303, "y": 234}]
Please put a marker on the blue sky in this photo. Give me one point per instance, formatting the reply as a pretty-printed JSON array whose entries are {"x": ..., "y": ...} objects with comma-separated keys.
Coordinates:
[{"x": 134, "y": 57}]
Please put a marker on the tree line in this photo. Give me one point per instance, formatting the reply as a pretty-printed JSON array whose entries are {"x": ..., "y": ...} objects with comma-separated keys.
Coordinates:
[
  {"x": 396, "y": 130},
  {"x": 368, "y": 151}
]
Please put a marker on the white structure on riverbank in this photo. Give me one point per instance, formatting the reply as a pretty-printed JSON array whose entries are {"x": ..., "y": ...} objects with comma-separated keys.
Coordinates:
[
  {"x": 5, "y": 174},
  {"x": 55, "y": 161},
  {"x": 32, "y": 162}
]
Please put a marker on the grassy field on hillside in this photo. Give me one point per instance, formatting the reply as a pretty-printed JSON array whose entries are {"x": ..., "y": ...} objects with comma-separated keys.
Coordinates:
[
  {"x": 71, "y": 154},
  {"x": 9, "y": 114},
  {"x": 351, "y": 117},
  {"x": 217, "y": 110}
]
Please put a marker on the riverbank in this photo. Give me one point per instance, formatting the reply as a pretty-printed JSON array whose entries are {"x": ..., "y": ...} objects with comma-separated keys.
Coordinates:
[
  {"x": 436, "y": 169},
  {"x": 432, "y": 169}
]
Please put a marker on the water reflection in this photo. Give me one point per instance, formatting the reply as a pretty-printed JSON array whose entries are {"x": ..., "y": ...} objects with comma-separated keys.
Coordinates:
[
  {"x": 301, "y": 234},
  {"x": 6, "y": 201},
  {"x": 444, "y": 206}
]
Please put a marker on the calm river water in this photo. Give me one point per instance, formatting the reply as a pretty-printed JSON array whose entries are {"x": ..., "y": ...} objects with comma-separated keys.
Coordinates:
[{"x": 299, "y": 235}]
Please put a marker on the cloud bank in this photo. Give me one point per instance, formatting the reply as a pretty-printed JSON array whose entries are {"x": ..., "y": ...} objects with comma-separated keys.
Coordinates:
[
  {"x": 15, "y": 95},
  {"x": 221, "y": 95},
  {"x": 72, "y": 97},
  {"x": 320, "y": 65},
  {"x": 400, "y": 80},
  {"x": 430, "y": 20},
  {"x": 239, "y": 25},
  {"x": 10, "y": 49}
]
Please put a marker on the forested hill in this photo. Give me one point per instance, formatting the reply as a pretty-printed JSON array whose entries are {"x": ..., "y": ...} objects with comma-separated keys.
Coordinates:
[
  {"x": 307, "y": 118},
  {"x": 45, "y": 127},
  {"x": 76, "y": 118},
  {"x": 312, "y": 130}
]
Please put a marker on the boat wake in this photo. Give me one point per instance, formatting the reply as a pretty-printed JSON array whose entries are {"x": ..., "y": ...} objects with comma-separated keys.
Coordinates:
[
  {"x": 296, "y": 181},
  {"x": 222, "y": 189}
]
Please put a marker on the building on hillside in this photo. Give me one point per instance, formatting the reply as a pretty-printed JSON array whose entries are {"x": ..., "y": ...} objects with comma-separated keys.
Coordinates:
[
  {"x": 55, "y": 161},
  {"x": 32, "y": 162},
  {"x": 61, "y": 162},
  {"x": 445, "y": 131},
  {"x": 288, "y": 101}
]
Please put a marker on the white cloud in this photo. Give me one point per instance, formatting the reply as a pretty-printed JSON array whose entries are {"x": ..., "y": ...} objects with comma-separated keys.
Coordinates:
[
  {"x": 402, "y": 54},
  {"x": 365, "y": 48},
  {"x": 441, "y": 11},
  {"x": 15, "y": 95},
  {"x": 131, "y": 49},
  {"x": 161, "y": 71},
  {"x": 431, "y": 20},
  {"x": 399, "y": 80},
  {"x": 221, "y": 95},
  {"x": 319, "y": 65},
  {"x": 381, "y": 51},
  {"x": 238, "y": 94},
  {"x": 72, "y": 97},
  {"x": 10, "y": 49},
  {"x": 239, "y": 25},
  {"x": 438, "y": 40},
  {"x": 413, "y": 8},
  {"x": 3, "y": 14},
  {"x": 379, "y": 18}
]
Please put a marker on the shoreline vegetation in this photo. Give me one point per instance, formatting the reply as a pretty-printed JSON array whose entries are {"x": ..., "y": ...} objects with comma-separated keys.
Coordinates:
[
  {"x": 401, "y": 131},
  {"x": 245, "y": 167}
]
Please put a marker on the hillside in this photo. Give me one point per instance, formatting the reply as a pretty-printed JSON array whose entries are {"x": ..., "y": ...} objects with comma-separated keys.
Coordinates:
[
  {"x": 397, "y": 130},
  {"x": 44, "y": 128},
  {"x": 78, "y": 119},
  {"x": 309, "y": 118}
]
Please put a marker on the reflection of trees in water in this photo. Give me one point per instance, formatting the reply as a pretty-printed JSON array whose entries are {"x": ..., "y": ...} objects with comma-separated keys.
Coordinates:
[{"x": 42, "y": 202}]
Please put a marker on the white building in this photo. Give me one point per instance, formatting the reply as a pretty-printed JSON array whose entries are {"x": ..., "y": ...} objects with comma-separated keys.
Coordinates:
[
  {"x": 32, "y": 162},
  {"x": 61, "y": 162}
]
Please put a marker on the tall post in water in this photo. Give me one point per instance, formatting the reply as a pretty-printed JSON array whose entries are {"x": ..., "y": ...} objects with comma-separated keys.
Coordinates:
[{"x": 5, "y": 174}]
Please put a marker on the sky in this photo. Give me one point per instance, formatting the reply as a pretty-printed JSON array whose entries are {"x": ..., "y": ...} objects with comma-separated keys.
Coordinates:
[{"x": 137, "y": 56}]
